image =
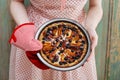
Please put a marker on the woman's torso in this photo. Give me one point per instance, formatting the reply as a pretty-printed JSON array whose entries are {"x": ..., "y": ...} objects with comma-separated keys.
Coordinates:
[
  {"x": 52, "y": 8},
  {"x": 41, "y": 11}
]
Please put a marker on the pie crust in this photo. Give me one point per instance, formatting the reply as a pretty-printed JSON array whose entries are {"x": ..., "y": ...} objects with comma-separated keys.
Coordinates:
[{"x": 64, "y": 44}]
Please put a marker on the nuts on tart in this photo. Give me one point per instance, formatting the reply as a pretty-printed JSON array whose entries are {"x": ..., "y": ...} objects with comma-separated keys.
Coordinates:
[{"x": 65, "y": 44}]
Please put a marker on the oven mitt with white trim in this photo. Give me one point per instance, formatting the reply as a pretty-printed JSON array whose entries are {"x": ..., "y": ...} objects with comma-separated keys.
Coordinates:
[{"x": 23, "y": 37}]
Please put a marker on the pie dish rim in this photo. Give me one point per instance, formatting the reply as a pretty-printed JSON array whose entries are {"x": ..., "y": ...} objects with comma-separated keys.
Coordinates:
[{"x": 81, "y": 27}]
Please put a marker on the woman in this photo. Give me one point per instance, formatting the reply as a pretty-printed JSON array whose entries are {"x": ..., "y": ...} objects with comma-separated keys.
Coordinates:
[{"x": 39, "y": 12}]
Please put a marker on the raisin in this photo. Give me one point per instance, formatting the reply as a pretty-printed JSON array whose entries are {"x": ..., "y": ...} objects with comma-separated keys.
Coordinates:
[
  {"x": 70, "y": 40},
  {"x": 78, "y": 54},
  {"x": 54, "y": 27},
  {"x": 61, "y": 51},
  {"x": 64, "y": 26},
  {"x": 57, "y": 39},
  {"x": 48, "y": 57},
  {"x": 60, "y": 63},
  {"x": 64, "y": 62},
  {"x": 76, "y": 41},
  {"x": 68, "y": 46},
  {"x": 53, "y": 34},
  {"x": 57, "y": 47},
  {"x": 69, "y": 28},
  {"x": 73, "y": 35},
  {"x": 59, "y": 26},
  {"x": 60, "y": 44},
  {"x": 50, "y": 51},
  {"x": 63, "y": 30},
  {"x": 74, "y": 29},
  {"x": 73, "y": 57},
  {"x": 81, "y": 48},
  {"x": 77, "y": 57},
  {"x": 44, "y": 38},
  {"x": 49, "y": 29},
  {"x": 72, "y": 50},
  {"x": 43, "y": 42},
  {"x": 47, "y": 34},
  {"x": 66, "y": 58},
  {"x": 55, "y": 59},
  {"x": 80, "y": 36},
  {"x": 72, "y": 60},
  {"x": 54, "y": 43},
  {"x": 83, "y": 41},
  {"x": 67, "y": 34}
]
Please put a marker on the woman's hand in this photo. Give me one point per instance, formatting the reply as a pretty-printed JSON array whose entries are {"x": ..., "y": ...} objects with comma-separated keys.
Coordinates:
[
  {"x": 94, "y": 40},
  {"x": 23, "y": 37},
  {"x": 93, "y": 18},
  {"x": 93, "y": 37}
]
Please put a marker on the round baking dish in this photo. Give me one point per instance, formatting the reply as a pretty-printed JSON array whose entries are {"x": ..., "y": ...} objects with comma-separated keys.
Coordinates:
[{"x": 80, "y": 27}]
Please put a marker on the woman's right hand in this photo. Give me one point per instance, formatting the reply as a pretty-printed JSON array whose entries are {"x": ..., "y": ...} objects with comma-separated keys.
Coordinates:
[{"x": 23, "y": 37}]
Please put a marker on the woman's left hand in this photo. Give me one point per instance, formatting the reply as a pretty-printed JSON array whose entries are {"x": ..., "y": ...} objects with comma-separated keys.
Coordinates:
[{"x": 94, "y": 39}]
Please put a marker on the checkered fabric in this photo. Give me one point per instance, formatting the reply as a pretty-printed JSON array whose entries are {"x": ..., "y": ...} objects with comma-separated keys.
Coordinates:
[{"x": 39, "y": 12}]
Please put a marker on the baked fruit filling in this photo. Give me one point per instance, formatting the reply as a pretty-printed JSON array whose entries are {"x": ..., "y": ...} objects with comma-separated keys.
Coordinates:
[{"x": 64, "y": 44}]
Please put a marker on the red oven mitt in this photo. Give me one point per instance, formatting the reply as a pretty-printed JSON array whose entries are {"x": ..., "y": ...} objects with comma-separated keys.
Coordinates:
[
  {"x": 35, "y": 60},
  {"x": 23, "y": 37}
]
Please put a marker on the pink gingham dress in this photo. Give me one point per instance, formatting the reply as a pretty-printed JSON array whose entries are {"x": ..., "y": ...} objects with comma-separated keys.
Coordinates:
[{"x": 39, "y": 12}]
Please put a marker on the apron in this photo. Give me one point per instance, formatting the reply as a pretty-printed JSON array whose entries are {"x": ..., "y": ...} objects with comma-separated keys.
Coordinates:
[{"x": 39, "y": 12}]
